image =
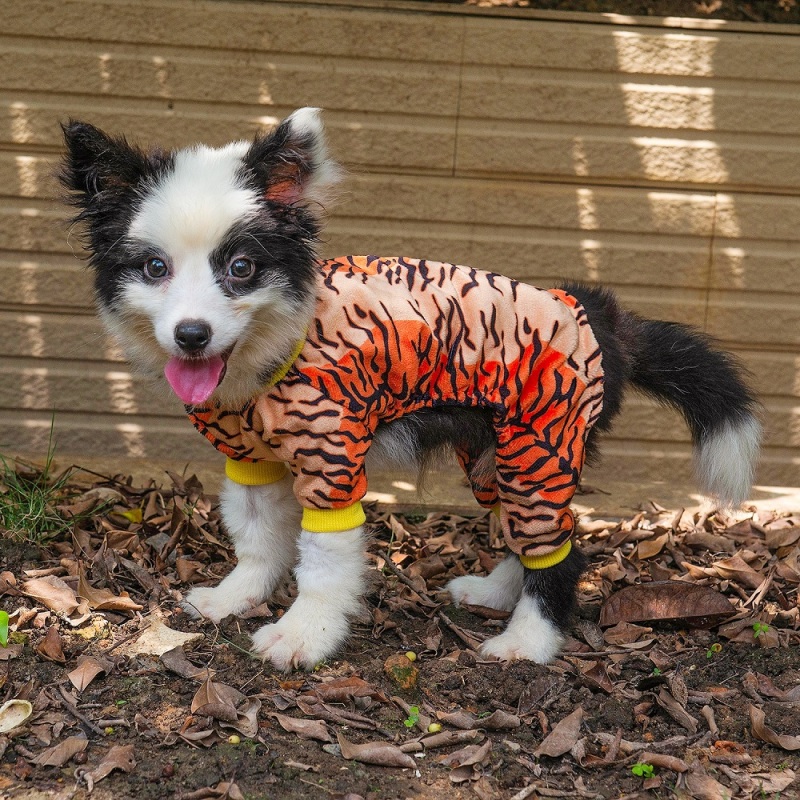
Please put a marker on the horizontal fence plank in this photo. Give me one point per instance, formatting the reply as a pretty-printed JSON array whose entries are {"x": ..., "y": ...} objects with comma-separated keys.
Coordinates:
[
  {"x": 273, "y": 27},
  {"x": 388, "y": 85}
]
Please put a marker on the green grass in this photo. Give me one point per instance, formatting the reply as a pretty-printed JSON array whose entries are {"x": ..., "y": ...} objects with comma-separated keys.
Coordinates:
[{"x": 28, "y": 497}]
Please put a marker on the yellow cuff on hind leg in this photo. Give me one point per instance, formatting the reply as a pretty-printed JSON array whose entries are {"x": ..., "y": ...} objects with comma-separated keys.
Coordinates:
[{"x": 549, "y": 560}]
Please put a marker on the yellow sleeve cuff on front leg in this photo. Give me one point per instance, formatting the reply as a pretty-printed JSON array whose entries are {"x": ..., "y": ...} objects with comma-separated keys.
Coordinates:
[
  {"x": 254, "y": 473},
  {"x": 333, "y": 520}
]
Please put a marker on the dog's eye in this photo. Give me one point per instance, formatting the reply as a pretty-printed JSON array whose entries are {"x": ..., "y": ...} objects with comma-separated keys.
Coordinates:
[
  {"x": 155, "y": 268},
  {"x": 241, "y": 268}
]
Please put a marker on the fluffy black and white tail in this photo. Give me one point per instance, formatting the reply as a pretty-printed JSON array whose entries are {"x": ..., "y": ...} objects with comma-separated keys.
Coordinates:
[{"x": 681, "y": 367}]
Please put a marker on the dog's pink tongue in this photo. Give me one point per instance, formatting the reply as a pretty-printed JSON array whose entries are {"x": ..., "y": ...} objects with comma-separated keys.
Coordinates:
[{"x": 194, "y": 381}]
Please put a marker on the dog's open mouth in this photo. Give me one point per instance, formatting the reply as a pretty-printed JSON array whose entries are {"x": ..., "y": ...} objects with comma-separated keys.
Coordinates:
[{"x": 195, "y": 379}]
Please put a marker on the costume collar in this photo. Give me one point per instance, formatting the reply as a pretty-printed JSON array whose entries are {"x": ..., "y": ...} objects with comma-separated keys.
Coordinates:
[{"x": 280, "y": 372}]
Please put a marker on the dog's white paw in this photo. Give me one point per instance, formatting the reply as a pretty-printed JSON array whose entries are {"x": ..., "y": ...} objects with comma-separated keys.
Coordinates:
[
  {"x": 302, "y": 638},
  {"x": 216, "y": 603},
  {"x": 529, "y": 636},
  {"x": 501, "y": 589},
  {"x": 510, "y": 647}
]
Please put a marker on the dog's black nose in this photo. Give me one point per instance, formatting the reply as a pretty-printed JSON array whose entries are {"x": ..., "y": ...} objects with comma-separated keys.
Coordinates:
[{"x": 192, "y": 335}]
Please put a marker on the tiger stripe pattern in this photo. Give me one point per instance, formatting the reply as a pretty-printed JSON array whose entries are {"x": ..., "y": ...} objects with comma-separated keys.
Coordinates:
[{"x": 392, "y": 336}]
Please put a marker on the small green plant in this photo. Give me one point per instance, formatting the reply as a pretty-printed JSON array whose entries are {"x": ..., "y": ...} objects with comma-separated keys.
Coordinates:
[
  {"x": 413, "y": 717},
  {"x": 656, "y": 672},
  {"x": 759, "y": 628},
  {"x": 3, "y": 629},
  {"x": 28, "y": 498},
  {"x": 713, "y": 650},
  {"x": 643, "y": 770}
]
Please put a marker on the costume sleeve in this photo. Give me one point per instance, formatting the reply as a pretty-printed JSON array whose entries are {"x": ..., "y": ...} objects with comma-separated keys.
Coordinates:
[{"x": 322, "y": 441}]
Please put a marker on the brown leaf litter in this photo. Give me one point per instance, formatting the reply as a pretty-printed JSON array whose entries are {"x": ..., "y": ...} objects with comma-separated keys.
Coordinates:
[{"x": 684, "y": 657}]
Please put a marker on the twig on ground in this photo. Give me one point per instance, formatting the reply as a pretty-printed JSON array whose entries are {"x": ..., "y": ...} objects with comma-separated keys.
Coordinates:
[{"x": 70, "y": 708}]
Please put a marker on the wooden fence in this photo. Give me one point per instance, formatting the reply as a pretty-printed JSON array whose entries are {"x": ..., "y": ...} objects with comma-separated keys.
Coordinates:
[{"x": 660, "y": 159}]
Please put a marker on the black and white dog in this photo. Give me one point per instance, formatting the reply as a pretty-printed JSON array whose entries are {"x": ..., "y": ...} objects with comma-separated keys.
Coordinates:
[{"x": 206, "y": 272}]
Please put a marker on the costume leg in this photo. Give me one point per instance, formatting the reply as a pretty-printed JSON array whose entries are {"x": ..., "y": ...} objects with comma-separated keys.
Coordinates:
[
  {"x": 263, "y": 522},
  {"x": 503, "y": 587},
  {"x": 538, "y": 467},
  {"x": 330, "y": 580}
]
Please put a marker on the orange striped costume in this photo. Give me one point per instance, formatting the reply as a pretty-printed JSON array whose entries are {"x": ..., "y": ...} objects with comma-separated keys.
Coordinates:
[{"x": 392, "y": 336}]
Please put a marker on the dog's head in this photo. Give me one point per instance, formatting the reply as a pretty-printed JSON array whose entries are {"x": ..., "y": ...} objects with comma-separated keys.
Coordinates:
[{"x": 204, "y": 259}]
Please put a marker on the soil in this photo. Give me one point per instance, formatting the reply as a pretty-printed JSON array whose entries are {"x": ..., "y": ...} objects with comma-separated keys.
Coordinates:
[{"x": 649, "y": 694}]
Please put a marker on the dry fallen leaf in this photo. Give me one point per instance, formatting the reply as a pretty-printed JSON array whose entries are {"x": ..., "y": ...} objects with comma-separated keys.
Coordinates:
[
  {"x": 304, "y": 728},
  {"x": 216, "y": 700},
  {"x": 737, "y": 569},
  {"x": 763, "y": 732},
  {"x": 648, "y": 548},
  {"x": 467, "y": 756},
  {"x": 157, "y": 639},
  {"x": 87, "y": 670},
  {"x": 666, "y": 600},
  {"x": 103, "y": 599},
  {"x": 563, "y": 737},
  {"x": 50, "y": 647},
  {"x": 228, "y": 705},
  {"x": 118, "y": 757},
  {"x": 382, "y": 754},
  {"x": 346, "y": 690},
  {"x": 52, "y": 592},
  {"x": 58, "y": 755},
  {"x": 496, "y": 721},
  {"x": 702, "y": 786},
  {"x": 175, "y": 661}
]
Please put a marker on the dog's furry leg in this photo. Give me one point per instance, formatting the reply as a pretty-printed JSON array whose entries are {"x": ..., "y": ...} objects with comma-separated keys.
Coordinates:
[
  {"x": 263, "y": 522},
  {"x": 501, "y": 589},
  {"x": 537, "y": 628},
  {"x": 330, "y": 581}
]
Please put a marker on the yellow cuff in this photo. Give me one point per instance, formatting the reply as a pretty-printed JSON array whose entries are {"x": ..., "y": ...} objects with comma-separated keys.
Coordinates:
[
  {"x": 333, "y": 520},
  {"x": 254, "y": 473},
  {"x": 550, "y": 560}
]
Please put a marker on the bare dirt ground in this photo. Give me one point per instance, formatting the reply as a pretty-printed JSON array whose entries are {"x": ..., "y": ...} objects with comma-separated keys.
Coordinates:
[{"x": 129, "y": 698}]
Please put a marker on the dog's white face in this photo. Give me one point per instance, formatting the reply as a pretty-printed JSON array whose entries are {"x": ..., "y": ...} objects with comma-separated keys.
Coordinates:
[{"x": 204, "y": 258}]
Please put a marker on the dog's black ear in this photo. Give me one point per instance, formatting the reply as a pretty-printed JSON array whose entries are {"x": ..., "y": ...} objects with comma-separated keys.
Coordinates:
[
  {"x": 291, "y": 165},
  {"x": 96, "y": 163}
]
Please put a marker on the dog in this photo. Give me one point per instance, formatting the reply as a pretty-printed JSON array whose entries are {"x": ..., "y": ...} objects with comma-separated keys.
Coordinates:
[{"x": 206, "y": 271}]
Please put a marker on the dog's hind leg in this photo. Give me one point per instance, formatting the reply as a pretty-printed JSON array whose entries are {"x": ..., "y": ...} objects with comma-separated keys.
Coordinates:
[
  {"x": 263, "y": 523},
  {"x": 537, "y": 628},
  {"x": 501, "y": 589}
]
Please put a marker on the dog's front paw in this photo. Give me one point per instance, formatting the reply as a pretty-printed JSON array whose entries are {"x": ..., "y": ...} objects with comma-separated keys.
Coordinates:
[
  {"x": 215, "y": 603},
  {"x": 306, "y": 635}
]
